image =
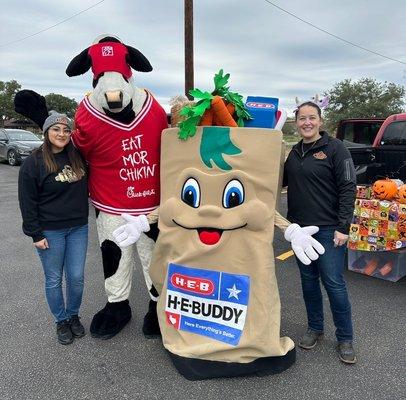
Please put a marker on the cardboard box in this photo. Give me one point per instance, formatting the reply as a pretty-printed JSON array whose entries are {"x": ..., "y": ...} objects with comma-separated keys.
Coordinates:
[
  {"x": 387, "y": 265},
  {"x": 263, "y": 112}
]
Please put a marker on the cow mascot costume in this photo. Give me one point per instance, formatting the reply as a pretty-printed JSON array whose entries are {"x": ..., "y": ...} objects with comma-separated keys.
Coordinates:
[{"x": 118, "y": 131}]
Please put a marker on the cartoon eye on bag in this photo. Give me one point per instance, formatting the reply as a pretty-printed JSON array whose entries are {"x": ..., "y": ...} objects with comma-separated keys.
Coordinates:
[
  {"x": 233, "y": 194},
  {"x": 191, "y": 193}
]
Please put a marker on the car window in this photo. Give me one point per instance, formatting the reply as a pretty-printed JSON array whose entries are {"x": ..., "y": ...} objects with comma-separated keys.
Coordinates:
[
  {"x": 22, "y": 135},
  {"x": 362, "y": 133},
  {"x": 3, "y": 135},
  {"x": 395, "y": 133}
]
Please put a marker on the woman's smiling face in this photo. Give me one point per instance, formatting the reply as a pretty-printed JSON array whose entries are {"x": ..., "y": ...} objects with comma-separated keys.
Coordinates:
[
  {"x": 59, "y": 136},
  {"x": 308, "y": 123}
]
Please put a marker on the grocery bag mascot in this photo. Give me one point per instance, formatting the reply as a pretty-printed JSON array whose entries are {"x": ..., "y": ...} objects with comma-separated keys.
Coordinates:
[
  {"x": 213, "y": 264},
  {"x": 118, "y": 131}
]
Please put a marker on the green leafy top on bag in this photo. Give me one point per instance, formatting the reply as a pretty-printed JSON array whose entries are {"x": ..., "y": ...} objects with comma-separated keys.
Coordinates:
[{"x": 194, "y": 113}]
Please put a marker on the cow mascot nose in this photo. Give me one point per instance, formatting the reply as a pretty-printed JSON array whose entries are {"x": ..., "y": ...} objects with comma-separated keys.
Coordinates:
[
  {"x": 118, "y": 131},
  {"x": 114, "y": 99}
]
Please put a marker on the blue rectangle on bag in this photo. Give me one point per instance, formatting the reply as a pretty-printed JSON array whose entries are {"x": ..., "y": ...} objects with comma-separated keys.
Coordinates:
[
  {"x": 263, "y": 112},
  {"x": 208, "y": 303},
  {"x": 211, "y": 329}
]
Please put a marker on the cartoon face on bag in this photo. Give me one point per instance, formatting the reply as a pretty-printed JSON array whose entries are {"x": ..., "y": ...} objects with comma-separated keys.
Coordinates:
[
  {"x": 215, "y": 199},
  {"x": 212, "y": 208}
]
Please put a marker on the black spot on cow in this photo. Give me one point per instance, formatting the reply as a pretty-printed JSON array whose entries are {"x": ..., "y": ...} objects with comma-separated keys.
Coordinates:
[{"x": 111, "y": 255}]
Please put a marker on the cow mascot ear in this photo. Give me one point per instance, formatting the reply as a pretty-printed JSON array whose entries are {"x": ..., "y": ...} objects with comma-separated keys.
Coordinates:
[
  {"x": 137, "y": 61},
  {"x": 80, "y": 64},
  {"x": 31, "y": 105}
]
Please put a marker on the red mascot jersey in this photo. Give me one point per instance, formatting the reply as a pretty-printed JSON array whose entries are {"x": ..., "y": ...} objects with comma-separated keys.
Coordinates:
[{"x": 123, "y": 158}]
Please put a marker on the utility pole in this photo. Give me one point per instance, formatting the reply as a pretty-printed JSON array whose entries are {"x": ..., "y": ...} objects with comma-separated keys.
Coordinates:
[{"x": 189, "y": 75}]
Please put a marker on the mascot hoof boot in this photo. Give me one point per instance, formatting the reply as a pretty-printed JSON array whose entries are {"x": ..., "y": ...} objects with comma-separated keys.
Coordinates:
[
  {"x": 110, "y": 320},
  {"x": 150, "y": 328}
]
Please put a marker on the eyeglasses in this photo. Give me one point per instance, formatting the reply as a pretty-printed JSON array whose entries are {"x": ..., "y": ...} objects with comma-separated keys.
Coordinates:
[{"x": 59, "y": 132}]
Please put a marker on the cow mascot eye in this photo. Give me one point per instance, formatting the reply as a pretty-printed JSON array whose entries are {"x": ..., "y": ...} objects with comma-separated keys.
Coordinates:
[
  {"x": 233, "y": 194},
  {"x": 191, "y": 193}
]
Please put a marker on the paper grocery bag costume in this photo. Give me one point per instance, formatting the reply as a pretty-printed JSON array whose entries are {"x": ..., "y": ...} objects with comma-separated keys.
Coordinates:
[{"x": 213, "y": 265}]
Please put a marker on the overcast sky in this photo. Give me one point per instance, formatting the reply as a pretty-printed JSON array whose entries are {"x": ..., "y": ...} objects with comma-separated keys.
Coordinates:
[{"x": 266, "y": 51}]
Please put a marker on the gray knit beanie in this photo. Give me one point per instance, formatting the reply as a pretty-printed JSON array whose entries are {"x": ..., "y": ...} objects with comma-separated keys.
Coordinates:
[{"x": 56, "y": 118}]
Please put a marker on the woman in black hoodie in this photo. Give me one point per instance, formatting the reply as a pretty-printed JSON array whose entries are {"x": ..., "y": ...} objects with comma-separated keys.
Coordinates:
[
  {"x": 320, "y": 176},
  {"x": 52, "y": 190}
]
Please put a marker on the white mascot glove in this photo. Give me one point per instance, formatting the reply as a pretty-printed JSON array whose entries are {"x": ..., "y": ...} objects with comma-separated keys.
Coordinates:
[
  {"x": 303, "y": 244},
  {"x": 129, "y": 233}
]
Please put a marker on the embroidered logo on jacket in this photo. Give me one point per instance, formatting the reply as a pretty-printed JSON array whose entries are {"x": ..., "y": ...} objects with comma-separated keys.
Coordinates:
[
  {"x": 107, "y": 51},
  {"x": 321, "y": 155},
  {"x": 68, "y": 175}
]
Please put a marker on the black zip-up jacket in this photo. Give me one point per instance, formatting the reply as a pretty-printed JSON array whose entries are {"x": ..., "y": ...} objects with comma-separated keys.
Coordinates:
[
  {"x": 51, "y": 201},
  {"x": 321, "y": 184}
]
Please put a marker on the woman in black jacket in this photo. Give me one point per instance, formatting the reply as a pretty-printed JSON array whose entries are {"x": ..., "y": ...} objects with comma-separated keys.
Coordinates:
[
  {"x": 320, "y": 176},
  {"x": 52, "y": 189}
]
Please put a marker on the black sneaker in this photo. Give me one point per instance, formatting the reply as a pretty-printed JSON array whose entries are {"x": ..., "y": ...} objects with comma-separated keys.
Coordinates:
[
  {"x": 78, "y": 330},
  {"x": 63, "y": 332},
  {"x": 309, "y": 339},
  {"x": 346, "y": 353}
]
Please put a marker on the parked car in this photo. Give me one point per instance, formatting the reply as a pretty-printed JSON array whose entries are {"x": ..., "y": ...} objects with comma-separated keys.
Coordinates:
[
  {"x": 17, "y": 144},
  {"x": 386, "y": 157},
  {"x": 358, "y": 132}
]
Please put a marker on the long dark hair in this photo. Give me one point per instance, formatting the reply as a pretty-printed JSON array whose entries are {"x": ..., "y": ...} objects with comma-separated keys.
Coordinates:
[{"x": 75, "y": 159}]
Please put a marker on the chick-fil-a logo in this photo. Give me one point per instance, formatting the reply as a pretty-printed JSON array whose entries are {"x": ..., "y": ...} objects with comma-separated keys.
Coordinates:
[{"x": 192, "y": 284}]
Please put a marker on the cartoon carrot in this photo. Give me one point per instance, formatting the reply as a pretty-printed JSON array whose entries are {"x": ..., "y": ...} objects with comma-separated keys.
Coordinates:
[
  {"x": 207, "y": 118},
  {"x": 221, "y": 112},
  {"x": 216, "y": 121},
  {"x": 230, "y": 108}
]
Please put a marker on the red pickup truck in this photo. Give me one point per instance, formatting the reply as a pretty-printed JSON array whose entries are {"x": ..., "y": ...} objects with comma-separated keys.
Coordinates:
[
  {"x": 358, "y": 132},
  {"x": 386, "y": 157}
]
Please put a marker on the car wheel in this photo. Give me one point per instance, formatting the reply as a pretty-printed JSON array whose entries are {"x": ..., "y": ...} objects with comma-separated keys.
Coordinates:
[{"x": 12, "y": 158}]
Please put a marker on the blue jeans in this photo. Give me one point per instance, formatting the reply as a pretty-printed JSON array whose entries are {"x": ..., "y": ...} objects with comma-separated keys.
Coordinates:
[
  {"x": 67, "y": 252},
  {"x": 329, "y": 268}
]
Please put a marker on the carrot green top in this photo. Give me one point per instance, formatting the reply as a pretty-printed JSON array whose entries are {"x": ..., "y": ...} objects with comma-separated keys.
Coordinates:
[{"x": 194, "y": 113}]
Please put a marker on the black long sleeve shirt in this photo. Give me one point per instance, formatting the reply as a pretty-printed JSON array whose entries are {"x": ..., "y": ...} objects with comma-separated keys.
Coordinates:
[
  {"x": 321, "y": 184},
  {"x": 51, "y": 201}
]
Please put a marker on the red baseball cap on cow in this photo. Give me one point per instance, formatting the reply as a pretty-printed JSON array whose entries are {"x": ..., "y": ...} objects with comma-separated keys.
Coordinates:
[{"x": 109, "y": 56}]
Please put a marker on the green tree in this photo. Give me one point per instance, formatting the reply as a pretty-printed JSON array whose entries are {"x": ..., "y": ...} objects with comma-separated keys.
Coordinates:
[
  {"x": 61, "y": 104},
  {"x": 7, "y": 93},
  {"x": 289, "y": 129},
  {"x": 364, "y": 98}
]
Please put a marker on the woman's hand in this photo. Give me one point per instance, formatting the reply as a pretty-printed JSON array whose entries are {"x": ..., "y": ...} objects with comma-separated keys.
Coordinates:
[
  {"x": 42, "y": 244},
  {"x": 339, "y": 238}
]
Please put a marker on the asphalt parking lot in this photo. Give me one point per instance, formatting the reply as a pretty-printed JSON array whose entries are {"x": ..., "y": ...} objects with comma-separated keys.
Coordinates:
[{"x": 34, "y": 366}]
